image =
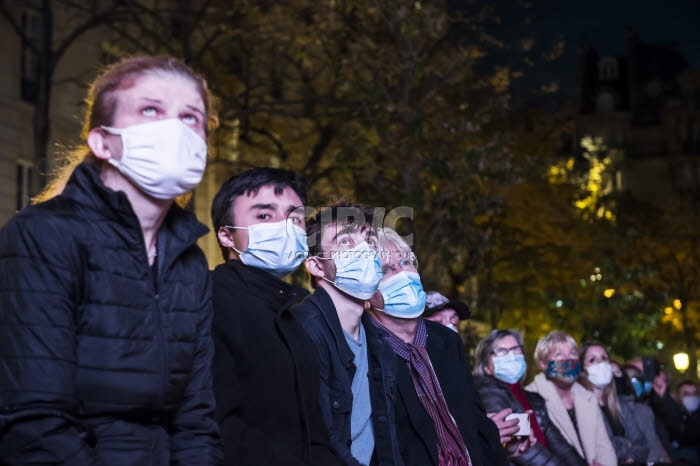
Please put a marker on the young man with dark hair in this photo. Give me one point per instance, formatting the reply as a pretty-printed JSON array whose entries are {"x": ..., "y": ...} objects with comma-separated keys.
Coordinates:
[
  {"x": 358, "y": 368},
  {"x": 265, "y": 368}
]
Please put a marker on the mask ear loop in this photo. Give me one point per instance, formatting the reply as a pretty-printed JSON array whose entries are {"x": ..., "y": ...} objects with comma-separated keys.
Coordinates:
[
  {"x": 236, "y": 228},
  {"x": 324, "y": 278}
]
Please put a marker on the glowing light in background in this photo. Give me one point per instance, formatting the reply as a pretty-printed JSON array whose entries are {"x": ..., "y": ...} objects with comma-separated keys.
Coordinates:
[{"x": 681, "y": 361}]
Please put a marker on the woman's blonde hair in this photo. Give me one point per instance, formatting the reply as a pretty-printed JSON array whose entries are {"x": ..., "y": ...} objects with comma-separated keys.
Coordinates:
[
  {"x": 547, "y": 342},
  {"x": 101, "y": 105}
]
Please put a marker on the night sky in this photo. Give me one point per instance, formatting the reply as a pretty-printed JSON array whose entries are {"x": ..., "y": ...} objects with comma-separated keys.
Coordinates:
[{"x": 602, "y": 24}]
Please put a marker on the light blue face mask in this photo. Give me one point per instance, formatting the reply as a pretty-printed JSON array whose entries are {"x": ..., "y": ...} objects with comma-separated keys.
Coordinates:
[
  {"x": 277, "y": 248},
  {"x": 509, "y": 368},
  {"x": 403, "y": 295},
  {"x": 638, "y": 386},
  {"x": 357, "y": 271}
]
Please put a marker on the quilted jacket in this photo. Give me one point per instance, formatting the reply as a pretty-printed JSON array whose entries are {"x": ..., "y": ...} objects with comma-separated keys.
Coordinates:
[
  {"x": 104, "y": 360},
  {"x": 495, "y": 396}
]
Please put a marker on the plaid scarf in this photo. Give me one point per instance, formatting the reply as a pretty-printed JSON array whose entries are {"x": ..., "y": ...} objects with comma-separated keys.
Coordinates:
[{"x": 451, "y": 448}]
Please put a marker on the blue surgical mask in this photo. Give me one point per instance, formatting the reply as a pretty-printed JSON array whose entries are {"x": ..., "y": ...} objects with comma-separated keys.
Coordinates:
[
  {"x": 277, "y": 248},
  {"x": 509, "y": 368},
  {"x": 357, "y": 271},
  {"x": 403, "y": 295},
  {"x": 638, "y": 387}
]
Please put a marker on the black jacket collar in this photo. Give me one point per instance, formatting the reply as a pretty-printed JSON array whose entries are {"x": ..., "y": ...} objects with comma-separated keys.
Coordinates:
[
  {"x": 276, "y": 292},
  {"x": 180, "y": 229},
  {"x": 322, "y": 300}
]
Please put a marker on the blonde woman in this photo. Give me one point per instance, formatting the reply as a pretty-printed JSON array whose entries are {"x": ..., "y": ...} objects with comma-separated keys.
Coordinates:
[
  {"x": 105, "y": 298},
  {"x": 572, "y": 408}
]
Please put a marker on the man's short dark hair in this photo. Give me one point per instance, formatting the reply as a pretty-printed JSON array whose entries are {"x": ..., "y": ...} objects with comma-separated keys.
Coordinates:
[
  {"x": 344, "y": 211},
  {"x": 250, "y": 182},
  {"x": 683, "y": 383}
]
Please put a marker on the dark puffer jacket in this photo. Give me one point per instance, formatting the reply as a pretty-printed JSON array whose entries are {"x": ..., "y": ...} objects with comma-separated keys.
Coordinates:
[
  {"x": 495, "y": 396},
  {"x": 103, "y": 361}
]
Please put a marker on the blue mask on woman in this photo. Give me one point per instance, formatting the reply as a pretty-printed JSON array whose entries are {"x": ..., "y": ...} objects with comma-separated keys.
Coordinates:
[
  {"x": 357, "y": 271},
  {"x": 640, "y": 388},
  {"x": 637, "y": 386},
  {"x": 509, "y": 368},
  {"x": 403, "y": 295}
]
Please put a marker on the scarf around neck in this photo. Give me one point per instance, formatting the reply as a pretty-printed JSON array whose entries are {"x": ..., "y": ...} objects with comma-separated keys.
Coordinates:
[{"x": 451, "y": 448}]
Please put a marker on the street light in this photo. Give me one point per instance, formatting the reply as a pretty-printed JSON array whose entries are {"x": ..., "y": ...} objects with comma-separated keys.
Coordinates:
[{"x": 681, "y": 361}]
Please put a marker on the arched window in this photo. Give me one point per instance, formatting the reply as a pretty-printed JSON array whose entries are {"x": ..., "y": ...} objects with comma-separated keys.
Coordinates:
[{"x": 607, "y": 69}]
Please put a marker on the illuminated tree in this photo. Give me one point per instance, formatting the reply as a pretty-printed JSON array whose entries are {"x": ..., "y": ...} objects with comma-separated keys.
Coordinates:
[{"x": 663, "y": 255}]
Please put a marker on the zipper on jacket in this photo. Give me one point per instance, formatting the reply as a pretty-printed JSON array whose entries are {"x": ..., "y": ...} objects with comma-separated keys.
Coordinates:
[{"x": 156, "y": 272}]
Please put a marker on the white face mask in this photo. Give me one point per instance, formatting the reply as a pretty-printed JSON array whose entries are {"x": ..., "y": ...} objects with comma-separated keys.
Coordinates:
[
  {"x": 600, "y": 374},
  {"x": 357, "y": 271},
  {"x": 452, "y": 327},
  {"x": 691, "y": 403},
  {"x": 277, "y": 248},
  {"x": 163, "y": 158}
]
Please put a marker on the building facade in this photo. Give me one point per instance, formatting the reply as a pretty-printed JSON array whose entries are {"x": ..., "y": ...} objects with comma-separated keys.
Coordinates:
[
  {"x": 645, "y": 106},
  {"x": 21, "y": 175}
]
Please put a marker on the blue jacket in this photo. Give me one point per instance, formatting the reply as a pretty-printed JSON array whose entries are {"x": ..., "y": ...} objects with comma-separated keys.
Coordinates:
[
  {"x": 103, "y": 360},
  {"x": 317, "y": 315}
]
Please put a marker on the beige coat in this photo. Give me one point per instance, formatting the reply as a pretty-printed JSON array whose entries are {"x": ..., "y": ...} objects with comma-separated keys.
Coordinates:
[{"x": 595, "y": 443}]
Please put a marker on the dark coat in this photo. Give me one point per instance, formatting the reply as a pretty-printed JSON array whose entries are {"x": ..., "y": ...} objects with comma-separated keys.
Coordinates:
[
  {"x": 103, "y": 361},
  {"x": 417, "y": 438},
  {"x": 633, "y": 444},
  {"x": 683, "y": 428},
  {"x": 495, "y": 396},
  {"x": 266, "y": 373},
  {"x": 317, "y": 315}
]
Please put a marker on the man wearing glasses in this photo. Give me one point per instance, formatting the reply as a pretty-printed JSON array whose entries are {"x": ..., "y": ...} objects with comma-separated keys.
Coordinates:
[{"x": 439, "y": 418}]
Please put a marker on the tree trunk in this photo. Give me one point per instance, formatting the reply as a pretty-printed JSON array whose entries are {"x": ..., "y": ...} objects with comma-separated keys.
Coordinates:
[
  {"x": 688, "y": 337},
  {"x": 42, "y": 107}
]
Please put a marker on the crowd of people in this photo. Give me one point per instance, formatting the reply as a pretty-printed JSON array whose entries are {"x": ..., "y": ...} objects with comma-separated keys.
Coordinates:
[{"x": 119, "y": 347}]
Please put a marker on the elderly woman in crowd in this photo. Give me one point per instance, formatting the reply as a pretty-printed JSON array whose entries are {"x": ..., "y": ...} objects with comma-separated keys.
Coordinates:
[
  {"x": 628, "y": 440},
  {"x": 498, "y": 372},
  {"x": 572, "y": 408}
]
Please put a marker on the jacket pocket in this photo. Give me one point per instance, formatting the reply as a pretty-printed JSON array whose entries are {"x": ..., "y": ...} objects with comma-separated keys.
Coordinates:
[{"x": 341, "y": 401}]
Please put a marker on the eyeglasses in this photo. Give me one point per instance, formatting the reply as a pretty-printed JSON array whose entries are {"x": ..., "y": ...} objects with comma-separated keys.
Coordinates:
[
  {"x": 405, "y": 260},
  {"x": 500, "y": 351}
]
